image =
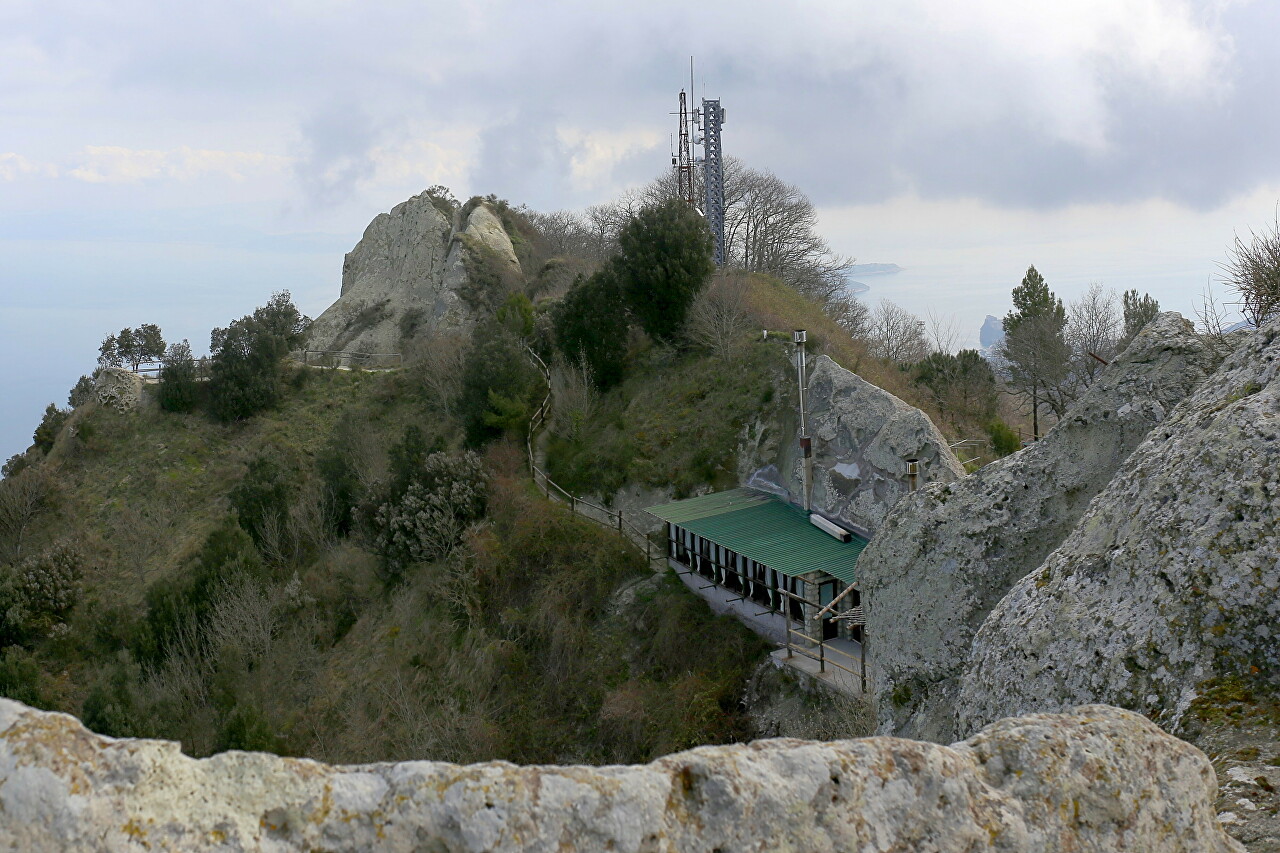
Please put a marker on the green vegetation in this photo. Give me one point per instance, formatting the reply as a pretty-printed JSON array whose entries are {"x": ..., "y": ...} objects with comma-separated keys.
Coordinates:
[
  {"x": 591, "y": 327},
  {"x": 674, "y": 422},
  {"x": 235, "y": 592},
  {"x": 50, "y": 425},
  {"x": 355, "y": 566},
  {"x": 664, "y": 259},
  {"x": 245, "y": 371},
  {"x": 1035, "y": 347},
  {"x": 179, "y": 389},
  {"x": 132, "y": 347}
]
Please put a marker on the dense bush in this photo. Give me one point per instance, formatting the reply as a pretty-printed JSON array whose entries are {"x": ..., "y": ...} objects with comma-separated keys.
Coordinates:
[
  {"x": 40, "y": 592},
  {"x": 21, "y": 678},
  {"x": 50, "y": 425},
  {"x": 962, "y": 385},
  {"x": 261, "y": 500},
  {"x": 1003, "y": 439},
  {"x": 179, "y": 388},
  {"x": 500, "y": 385},
  {"x": 228, "y": 554},
  {"x": 591, "y": 327},
  {"x": 428, "y": 518},
  {"x": 245, "y": 370},
  {"x": 81, "y": 392},
  {"x": 664, "y": 260}
]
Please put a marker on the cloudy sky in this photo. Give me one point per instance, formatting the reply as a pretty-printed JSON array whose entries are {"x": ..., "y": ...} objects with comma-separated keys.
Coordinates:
[{"x": 176, "y": 163}]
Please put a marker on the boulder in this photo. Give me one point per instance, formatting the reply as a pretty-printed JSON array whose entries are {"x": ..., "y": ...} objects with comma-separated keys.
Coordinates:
[
  {"x": 118, "y": 388},
  {"x": 1169, "y": 581},
  {"x": 409, "y": 273},
  {"x": 1097, "y": 778},
  {"x": 947, "y": 555},
  {"x": 862, "y": 439}
]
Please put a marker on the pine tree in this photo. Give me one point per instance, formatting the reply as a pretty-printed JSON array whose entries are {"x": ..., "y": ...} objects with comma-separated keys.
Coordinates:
[{"x": 1035, "y": 346}]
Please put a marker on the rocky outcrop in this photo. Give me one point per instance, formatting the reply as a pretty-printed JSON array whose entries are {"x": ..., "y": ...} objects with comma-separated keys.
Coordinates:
[
  {"x": 118, "y": 388},
  {"x": 1094, "y": 779},
  {"x": 411, "y": 271},
  {"x": 862, "y": 439},
  {"x": 946, "y": 556},
  {"x": 1170, "y": 580}
]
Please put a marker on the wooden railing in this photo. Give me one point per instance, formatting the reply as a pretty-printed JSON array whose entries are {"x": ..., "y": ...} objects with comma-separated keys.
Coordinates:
[
  {"x": 349, "y": 358},
  {"x": 824, "y": 659},
  {"x": 554, "y": 491}
]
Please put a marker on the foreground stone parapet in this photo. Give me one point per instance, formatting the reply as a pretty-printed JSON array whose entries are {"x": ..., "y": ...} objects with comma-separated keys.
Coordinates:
[{"x": 1097, "y": 778}]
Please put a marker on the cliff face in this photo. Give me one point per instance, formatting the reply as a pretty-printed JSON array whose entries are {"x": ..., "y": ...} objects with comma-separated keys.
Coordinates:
[
  {"x": 948, "y": 554},
  {"x": 410, "y": 271},
  {"x": 1171, "y": 579},
  {"x": 862, "y": 439},
  {"x": 1097, "y": 778}
]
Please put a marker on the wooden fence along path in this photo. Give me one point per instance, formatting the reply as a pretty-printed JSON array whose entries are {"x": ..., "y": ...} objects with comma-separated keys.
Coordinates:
[
  {"x": 603, "y": 516},
  {"x": 348, "y": 359}
]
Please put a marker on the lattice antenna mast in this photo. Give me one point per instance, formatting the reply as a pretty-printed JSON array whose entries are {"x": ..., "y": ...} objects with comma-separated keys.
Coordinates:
[
  {"x": 712, "y": 119},
  {"x": 684, "y": 168}
]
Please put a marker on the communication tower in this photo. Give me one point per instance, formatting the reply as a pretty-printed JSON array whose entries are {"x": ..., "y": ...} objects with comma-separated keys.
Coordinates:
[
  {"x": 702, "y": 128},
  {"x": 713, "y": 173}
]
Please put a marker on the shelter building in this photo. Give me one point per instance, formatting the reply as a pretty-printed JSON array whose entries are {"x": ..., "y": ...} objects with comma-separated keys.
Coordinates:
[{"x": 767, "y": 561}]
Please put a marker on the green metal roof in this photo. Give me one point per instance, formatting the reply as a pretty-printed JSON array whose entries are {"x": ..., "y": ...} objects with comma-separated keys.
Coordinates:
[{"x": 765, "y": 529}]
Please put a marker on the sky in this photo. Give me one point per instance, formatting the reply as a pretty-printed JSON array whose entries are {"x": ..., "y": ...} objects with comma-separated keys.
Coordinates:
[{"x": 176, "y": 163}]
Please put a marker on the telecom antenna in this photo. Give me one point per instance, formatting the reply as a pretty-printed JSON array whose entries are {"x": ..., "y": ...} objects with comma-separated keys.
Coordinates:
[
  {"x": 713, "y": 172},
  {"x": 684, "y": 169}
]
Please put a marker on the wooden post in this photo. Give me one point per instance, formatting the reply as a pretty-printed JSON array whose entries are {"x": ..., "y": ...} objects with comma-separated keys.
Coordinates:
[
  {"x": 573, "y": 504},
  {"x": 822, "y": 656},
  {"x": 864, "y": 660}
]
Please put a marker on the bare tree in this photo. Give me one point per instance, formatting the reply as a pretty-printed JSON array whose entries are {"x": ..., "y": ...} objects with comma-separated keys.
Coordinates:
[
  {"x": 24, "y": 497},
  {"x": 1212, "y": 328},
  {"x": 770, "y": 227},
  {"x": 437, "y": 360},
  {"x": 575, "y": 396},
  {"x": 943, "y": 331},
  {"x": 850, "y": 314},
  {"x": 897, "y": 334},
  {"x": 1093, "y": 330},
  {"x": 720, "y": 316},
  {"x": 1253, "y": 272}
]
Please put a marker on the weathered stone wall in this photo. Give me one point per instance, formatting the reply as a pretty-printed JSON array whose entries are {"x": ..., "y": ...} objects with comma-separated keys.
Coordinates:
[
  {"x": 1171, "y": 578},
  {"x": 1095, "y": 779},
  {"x": 947, "y": 555},
  {"x": 409, "y": 263},
  {"x": 862, "y": 437}
]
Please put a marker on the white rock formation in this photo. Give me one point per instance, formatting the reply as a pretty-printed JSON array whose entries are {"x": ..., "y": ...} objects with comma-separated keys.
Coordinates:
[
  {"x": 1170, "y": 579},
  {"x": 118, "y": 388},
  {"x": 409, "y": 271},
  {"x": 1095, "y": 779},
  {"x": 945, "y": 557},
  {"x": 862, "y": 439}
]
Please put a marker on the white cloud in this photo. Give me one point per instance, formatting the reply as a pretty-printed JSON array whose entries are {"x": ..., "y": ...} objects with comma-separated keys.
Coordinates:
[
  {"x": 595, "y": 154},
  {"x": 113, "y": 164},
  {"x": 15, "y": 166}
]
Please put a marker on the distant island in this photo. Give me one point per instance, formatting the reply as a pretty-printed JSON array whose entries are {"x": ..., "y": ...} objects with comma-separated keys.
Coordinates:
[{"x": 873, "y": 269}]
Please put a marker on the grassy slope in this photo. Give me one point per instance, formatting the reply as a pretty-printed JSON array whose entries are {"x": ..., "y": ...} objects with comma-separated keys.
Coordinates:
[
  {"x": 678, "y": 417},
  {"x": 519, "y": 647}
]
